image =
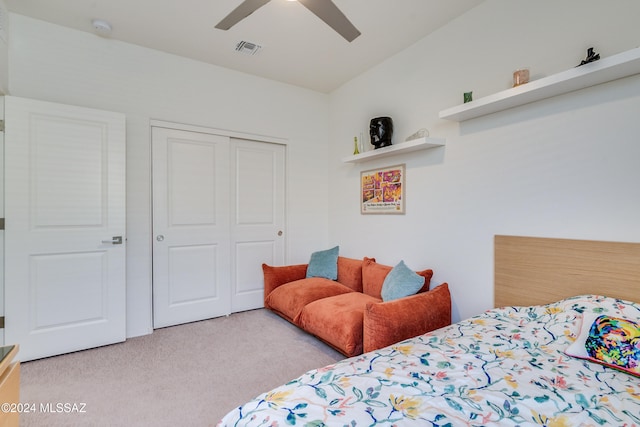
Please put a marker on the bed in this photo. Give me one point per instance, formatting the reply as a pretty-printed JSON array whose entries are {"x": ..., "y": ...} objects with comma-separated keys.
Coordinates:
[{"x": 507, "y": 366}]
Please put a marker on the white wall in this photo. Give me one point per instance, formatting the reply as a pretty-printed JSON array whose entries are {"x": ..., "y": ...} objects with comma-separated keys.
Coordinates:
[
  {"x": 4, "y": 48},
  {"x": 563, "y": 167},
  {"x": 52, "y": 63}
]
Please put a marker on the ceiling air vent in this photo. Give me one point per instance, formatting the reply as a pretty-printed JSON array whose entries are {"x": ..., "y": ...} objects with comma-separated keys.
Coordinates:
[{"x": 248, "y": 48}]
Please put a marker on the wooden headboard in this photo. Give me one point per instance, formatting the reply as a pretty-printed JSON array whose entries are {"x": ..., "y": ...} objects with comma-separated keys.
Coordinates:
[{"x": 533, "y": 271}]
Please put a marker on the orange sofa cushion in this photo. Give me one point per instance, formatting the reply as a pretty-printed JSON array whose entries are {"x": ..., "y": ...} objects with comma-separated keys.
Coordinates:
[
  {"x": 389, "y": 322},
  {"x": 337, "y": 321},
  {"x": 350, "y": 272},
  {"x": 289, "y": 299},
  {"x": 276, "y": 276},
  {"x": 373, "y": 275}
]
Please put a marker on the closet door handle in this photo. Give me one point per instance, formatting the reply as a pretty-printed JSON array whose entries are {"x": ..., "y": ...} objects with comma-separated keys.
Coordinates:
[{"x": 115, "y": 240}]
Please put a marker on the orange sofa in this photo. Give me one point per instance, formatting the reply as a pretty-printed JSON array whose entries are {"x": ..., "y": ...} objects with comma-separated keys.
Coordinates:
[{"x": 349, "y": 313}]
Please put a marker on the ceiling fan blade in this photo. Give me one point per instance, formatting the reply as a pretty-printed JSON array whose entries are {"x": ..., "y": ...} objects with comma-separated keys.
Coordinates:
[
  {"x": 246, "y": 8},
  {"x": 333, "y": 17}
]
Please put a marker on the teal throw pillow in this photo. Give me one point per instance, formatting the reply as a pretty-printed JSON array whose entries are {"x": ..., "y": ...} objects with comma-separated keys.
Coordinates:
[
  {"x": 324, "y": 264},
  {"x": 401, "y": 282}
]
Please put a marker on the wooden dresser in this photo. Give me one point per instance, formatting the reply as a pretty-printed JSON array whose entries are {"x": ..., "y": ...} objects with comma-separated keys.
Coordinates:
[{"x": 9, "y": 386}]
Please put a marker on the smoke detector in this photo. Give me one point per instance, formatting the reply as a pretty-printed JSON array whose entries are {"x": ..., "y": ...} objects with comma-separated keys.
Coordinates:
[
  {"x": 247, "y": 48},
  {"x": 102, "y": 28}
]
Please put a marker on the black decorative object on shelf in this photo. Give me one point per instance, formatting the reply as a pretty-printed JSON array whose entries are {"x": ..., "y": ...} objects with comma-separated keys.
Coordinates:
[
  {"x": 381, "y": 131},
  {"x": 591, "y": 56}
]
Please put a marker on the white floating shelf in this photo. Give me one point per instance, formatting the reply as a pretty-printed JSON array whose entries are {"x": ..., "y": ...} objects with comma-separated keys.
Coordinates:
[
  {"x": 604, "y": 70},
  {"x": 392, "y": 150}
]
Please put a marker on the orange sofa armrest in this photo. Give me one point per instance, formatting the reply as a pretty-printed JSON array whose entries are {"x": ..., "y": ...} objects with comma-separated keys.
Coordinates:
[
  {"x": 276, "y": 276},
  {"x": 389, "y": 322}
]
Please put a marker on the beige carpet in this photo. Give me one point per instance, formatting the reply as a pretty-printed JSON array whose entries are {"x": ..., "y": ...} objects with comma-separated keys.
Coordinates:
[{"x": 187, "y": 375}]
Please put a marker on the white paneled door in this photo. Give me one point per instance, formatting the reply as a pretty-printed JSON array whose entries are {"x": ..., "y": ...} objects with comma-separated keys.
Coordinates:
[
  {"x": 257, "y": 212},
  {"x": 215, "y": 221},
  {"x": 190, "y": 226},
  {"x": 65, "y": 227}
]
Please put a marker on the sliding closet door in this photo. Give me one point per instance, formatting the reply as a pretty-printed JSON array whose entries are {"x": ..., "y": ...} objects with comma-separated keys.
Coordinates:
[
  {"x": 65, "y": 227},
  {"x": 218, "y": 214},
  {"x": 191, "y": 262},
  {"x": 257, "y": 212}
]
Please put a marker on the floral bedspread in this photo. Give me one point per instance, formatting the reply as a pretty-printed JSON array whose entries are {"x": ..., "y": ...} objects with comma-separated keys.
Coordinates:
[{"x": 505, "y": 367}]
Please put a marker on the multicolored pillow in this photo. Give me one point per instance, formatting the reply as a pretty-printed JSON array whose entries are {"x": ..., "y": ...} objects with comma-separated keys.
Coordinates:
[{"x": 610, "y": 341}]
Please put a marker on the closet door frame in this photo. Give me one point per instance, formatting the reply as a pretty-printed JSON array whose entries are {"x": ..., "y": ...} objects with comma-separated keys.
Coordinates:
[{"x": 235, "y": 303}]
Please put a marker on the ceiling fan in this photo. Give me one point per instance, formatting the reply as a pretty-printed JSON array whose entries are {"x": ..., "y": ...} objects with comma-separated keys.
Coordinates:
[{"x": 323, "y": 9}]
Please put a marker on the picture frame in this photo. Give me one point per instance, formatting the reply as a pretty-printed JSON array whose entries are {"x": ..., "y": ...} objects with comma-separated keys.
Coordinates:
[{"x": 383, "y": 190}]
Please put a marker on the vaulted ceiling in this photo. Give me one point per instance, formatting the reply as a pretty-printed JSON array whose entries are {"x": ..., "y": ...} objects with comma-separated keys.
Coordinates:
[{"x": 296, "y": 46}]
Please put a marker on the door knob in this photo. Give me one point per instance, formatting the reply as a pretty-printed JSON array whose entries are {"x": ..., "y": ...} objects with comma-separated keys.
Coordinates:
[
  {"x": 279, "y": 232},
  {"x": 159, "y": 237},
  {"x": 115, "y": 240}
]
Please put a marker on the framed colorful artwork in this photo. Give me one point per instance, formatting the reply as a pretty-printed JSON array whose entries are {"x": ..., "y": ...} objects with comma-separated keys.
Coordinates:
[{"x": 382, "y": 191}]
